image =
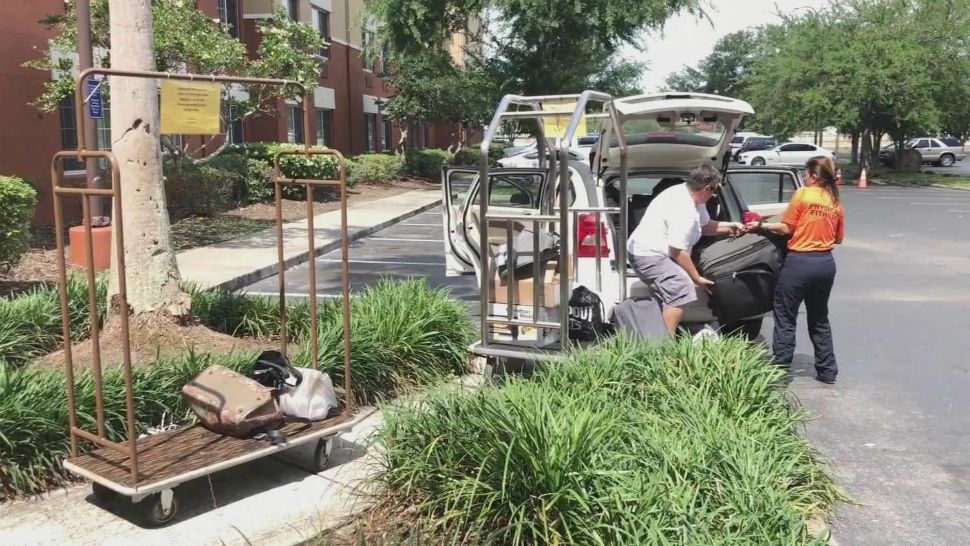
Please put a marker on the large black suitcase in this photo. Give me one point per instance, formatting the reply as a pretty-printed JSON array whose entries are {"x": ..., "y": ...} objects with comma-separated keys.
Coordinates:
[{"x": 744, "y": 271}]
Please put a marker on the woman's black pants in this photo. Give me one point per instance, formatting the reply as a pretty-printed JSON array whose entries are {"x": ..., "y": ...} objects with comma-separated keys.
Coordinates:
[{"x": 808, "y": 277}]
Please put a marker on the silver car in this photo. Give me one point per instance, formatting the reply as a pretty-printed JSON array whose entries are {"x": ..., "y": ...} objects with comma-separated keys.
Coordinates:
[{"x": 938, "y": 151}]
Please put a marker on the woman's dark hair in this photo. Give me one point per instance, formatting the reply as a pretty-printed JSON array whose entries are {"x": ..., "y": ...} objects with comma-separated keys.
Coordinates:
[{"x": 824, "y": 168}]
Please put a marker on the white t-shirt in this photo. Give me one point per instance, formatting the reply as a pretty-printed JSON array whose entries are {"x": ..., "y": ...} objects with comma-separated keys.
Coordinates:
[{"x": 673, "y": 219}]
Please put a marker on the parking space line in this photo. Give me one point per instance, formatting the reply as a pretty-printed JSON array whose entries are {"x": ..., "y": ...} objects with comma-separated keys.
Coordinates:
[
  {"x": 415, "y": 224},
  {"x": 297, "y": 295},
  {"x": 405, "y": 240},
  {"x": 380, "y": 262},
  {"x": 940, "y": 204}
]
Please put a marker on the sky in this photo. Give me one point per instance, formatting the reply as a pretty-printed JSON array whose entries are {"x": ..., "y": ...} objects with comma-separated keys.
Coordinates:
[{"x": 686, "y": 39}]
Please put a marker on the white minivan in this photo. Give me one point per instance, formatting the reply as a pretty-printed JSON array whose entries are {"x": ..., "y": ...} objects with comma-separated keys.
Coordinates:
[{"x": 666, "y": 135}]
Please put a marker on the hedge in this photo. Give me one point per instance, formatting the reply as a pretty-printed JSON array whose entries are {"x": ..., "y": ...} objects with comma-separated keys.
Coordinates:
[{"x": 17, "y": 201}]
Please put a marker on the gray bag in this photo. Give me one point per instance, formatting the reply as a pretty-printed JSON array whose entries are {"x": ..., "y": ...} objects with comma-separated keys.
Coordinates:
[{"x": 641, "y": 318}]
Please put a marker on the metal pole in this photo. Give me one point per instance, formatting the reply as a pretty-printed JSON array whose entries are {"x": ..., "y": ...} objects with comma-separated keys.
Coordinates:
[{"x": 85, "y": 61}]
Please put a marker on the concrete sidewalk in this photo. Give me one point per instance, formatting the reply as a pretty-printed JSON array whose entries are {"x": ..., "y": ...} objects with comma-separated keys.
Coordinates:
[
  {"x": 239, "y": 262},
  {"x": 277, "y": 500}
]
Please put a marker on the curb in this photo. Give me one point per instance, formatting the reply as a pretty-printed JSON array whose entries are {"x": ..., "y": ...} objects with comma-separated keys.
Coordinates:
[
  {"x": 246, "y": 279},
  {"x": 895, "y": 185}
]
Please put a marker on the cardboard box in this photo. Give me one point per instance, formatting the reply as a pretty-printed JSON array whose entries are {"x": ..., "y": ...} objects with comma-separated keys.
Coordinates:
[
  {"x": 522, "y": 299},
  {"x": 524, "y": 287}
]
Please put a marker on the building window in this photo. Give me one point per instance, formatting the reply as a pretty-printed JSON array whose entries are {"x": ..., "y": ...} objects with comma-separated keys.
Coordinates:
[
  {"x": 383, "y": 62},
  {"x": 370, "y": 123},
  {"x": 294, "y": 125},
  {"x": 293, "y": 9},
  {"x": 233, "y": 122},
  {"x": 386, "y": 142},
  {"x": 323, "y": 27},
  {"x": 325, "y": 127},
  {"x": 69, "y": 132},
  {"x": 228, "y": 13},
  {"x": 365, "y": 40}
]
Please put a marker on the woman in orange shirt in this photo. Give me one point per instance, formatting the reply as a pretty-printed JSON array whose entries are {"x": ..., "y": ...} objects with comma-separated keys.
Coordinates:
[{"x": 815, "y": 222}]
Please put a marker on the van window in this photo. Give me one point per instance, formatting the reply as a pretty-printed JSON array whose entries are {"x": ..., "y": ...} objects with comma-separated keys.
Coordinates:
[
  {"x": 737, "y": 140},
  {"x": 657, "y": 130}
]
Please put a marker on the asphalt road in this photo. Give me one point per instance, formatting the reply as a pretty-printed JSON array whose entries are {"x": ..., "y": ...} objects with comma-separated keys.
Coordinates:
[
  {"x": 413, "y": 248},
  {"x": 896, "y": 427}
]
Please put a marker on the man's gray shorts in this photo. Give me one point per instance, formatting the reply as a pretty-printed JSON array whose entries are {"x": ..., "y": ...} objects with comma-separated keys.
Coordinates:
[{"x": 665, "y": 278}]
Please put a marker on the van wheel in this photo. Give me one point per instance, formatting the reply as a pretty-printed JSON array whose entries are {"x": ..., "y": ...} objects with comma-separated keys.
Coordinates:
[
  {"x": 946, "y": 160},
  {"x": 749, "y": 329}
]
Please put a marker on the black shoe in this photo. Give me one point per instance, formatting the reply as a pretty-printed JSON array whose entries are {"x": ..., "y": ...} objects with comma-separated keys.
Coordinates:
[{"x": 826, "y": 380}]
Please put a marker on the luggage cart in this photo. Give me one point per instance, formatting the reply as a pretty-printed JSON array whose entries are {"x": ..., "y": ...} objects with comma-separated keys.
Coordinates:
[
  {"x": 560, "y": 214},
  {"x": 148, "y": 469}
]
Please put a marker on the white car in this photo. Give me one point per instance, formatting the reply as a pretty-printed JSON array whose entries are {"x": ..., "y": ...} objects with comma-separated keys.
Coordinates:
[
  {"x": 789, "y": 154},
  {"x": 667, "y": 136},
  {"x": 530, "y": 158}
]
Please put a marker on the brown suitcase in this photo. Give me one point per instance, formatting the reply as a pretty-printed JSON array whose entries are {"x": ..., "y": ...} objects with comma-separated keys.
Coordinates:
[{"x": 230, "y": 403}]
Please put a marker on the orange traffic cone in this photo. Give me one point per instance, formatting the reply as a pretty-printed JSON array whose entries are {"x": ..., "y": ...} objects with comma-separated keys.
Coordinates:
[{"x": 863, "y": 182}]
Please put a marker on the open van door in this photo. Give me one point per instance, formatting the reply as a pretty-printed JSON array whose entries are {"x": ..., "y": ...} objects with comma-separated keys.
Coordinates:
[
  {"x": 512, "y": 191},
  {"x": 455, "y": 185},
  {"x": 766, "y": 191}
]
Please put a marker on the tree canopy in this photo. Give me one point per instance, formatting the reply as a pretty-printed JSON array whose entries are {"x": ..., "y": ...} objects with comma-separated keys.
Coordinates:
[
  {"x": 866, "y": 67},
  {"x": 531, "y": 47}
]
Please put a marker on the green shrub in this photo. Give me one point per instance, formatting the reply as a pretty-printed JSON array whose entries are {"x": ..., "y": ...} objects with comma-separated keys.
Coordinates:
[
  {"x": 259, "y": 181},
  {"x": 468, "y": 157},
  {"x": 425, "y": 163},
  {"x": 625, "y": 444},
  {"x": 30, "y": 323},
  {"x": 403, "y": 334},
  {"x": 17, "y": 201},
  {"x": 203, "y": 190},
  {"x": 374, "y": 168}
]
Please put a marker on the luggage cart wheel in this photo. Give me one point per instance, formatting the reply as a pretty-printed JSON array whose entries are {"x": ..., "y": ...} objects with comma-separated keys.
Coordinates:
[
  {"x": 321, "y": 455},
  {"x": 160, "y": 508},
  {"x": 103, "y": 494}
]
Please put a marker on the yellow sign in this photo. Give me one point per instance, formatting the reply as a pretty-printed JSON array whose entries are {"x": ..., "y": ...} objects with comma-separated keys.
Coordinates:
[
  {"x": 555, "y": 126},
  {"x": 191, "y": 108}
]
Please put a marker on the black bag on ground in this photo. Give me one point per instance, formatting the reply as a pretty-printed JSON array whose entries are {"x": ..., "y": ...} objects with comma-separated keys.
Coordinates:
[
  {"x": 641, "y": 318},
  {"x": 744, "y": 271},
  {"x": 586, "y": 315}
]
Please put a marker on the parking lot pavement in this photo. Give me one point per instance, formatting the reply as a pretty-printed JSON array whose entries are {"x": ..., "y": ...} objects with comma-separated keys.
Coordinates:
[
  {"x": 896, "y": 426},
  {"x": 413, "y": 248}
]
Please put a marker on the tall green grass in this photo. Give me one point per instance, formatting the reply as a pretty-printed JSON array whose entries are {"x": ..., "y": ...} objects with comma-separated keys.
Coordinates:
[
  {"x": 403, "y": 334},
  {"x": 30, "y": 323},
  {"x": 625, "y": 444}
]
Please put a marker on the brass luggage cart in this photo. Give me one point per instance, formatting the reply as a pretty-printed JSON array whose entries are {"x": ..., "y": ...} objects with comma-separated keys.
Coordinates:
[{"x": 148, "y": 469}]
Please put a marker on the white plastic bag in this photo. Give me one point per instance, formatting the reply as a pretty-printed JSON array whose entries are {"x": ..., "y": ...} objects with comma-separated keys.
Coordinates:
[{"x": 312, "y": 399}]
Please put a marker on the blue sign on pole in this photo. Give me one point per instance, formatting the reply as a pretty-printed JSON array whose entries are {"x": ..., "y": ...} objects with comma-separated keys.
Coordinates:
[{"x": 95, "y": 106}]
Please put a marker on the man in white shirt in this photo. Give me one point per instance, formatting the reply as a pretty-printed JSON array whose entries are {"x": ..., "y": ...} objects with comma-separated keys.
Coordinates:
[{"x": 659, "y": 248}]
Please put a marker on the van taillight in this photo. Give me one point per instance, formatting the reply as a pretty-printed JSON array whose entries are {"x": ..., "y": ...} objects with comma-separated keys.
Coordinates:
[{"x": 586, "y": 235}]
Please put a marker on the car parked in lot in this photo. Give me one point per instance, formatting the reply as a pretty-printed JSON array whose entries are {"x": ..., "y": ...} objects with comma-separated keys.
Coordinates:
[
  {"x": 530, "y": 158},
  {"x": 787, "y": 154},
  {"x": 739, "y": 140},
  {"x": 755, "y": 144},
  {"x": 667, "y": 136},
  {"x": 938, "y": 151}
]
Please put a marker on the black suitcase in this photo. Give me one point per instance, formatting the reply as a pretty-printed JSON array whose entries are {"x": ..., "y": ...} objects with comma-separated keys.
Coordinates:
[{"x": 744, "y": 271}]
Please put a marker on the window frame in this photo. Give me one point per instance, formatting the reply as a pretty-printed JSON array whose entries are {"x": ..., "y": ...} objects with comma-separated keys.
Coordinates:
[
  {"x": 324, "y": 32},
  {"x": 294, "y": 124},
  {"x": 324, "y": 137}
]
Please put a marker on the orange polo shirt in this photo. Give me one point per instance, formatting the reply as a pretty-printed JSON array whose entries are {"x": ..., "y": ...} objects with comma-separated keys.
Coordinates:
[{"x": 815, "y": 219}]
